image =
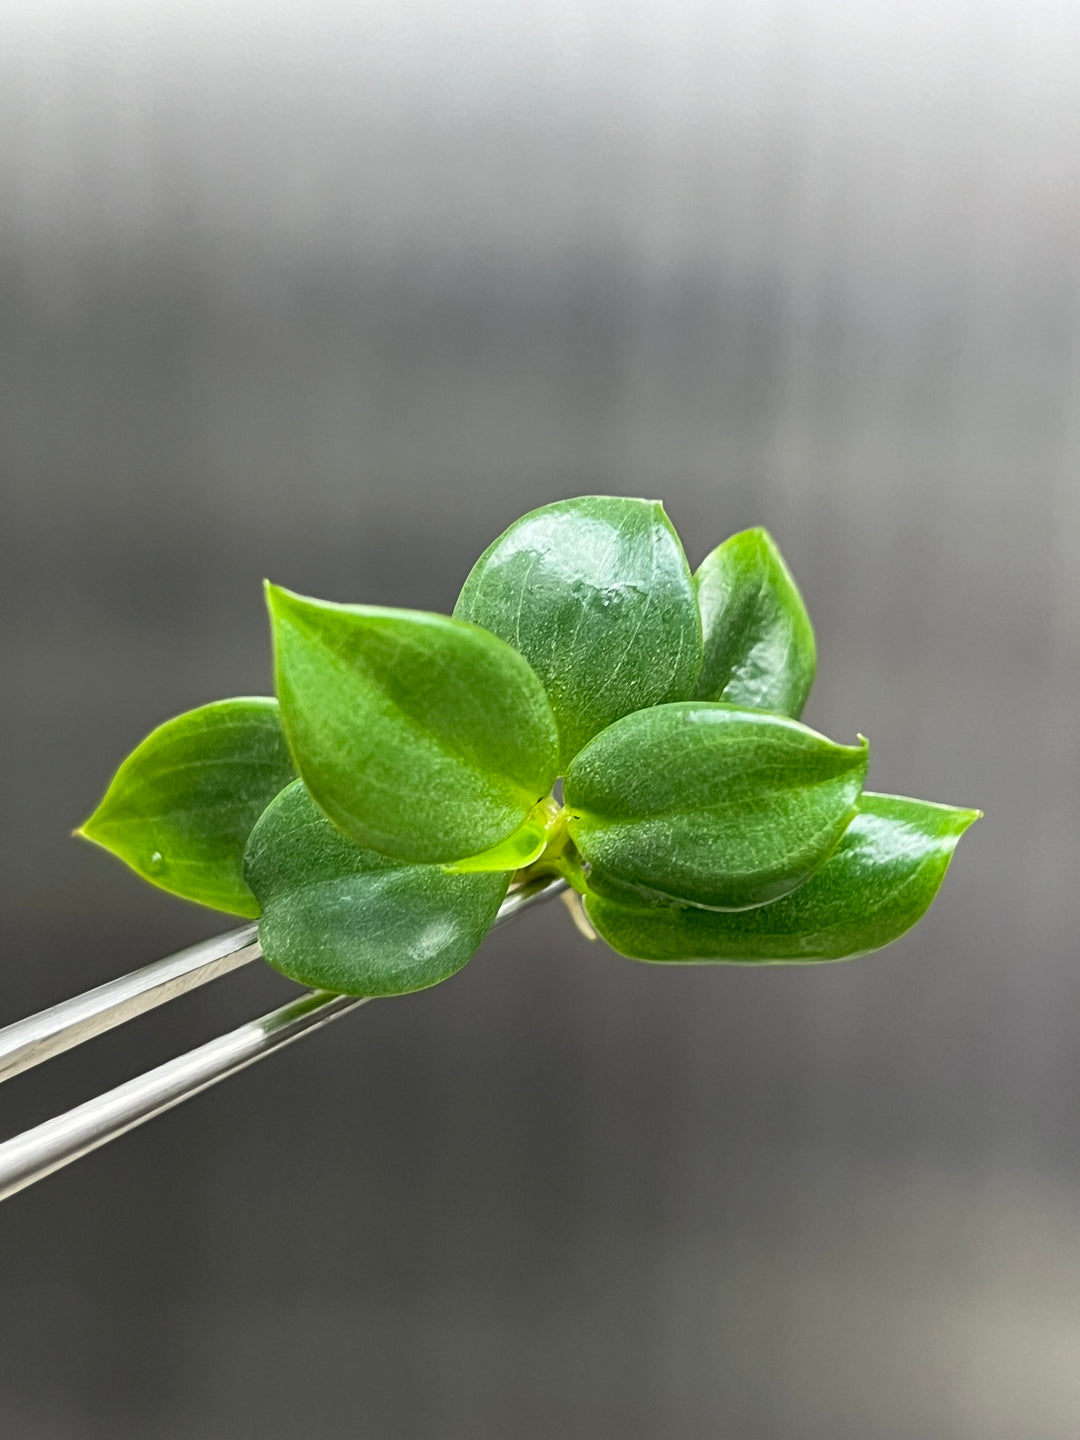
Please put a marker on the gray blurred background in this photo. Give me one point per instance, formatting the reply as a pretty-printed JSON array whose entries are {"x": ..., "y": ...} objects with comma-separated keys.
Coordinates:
[{"x": 331, "y": 292}]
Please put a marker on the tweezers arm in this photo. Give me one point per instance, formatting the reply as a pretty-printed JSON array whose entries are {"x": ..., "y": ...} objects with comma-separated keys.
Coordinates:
[
  {"x": 38, "y": 1152},
  {"x": 39, "y": 1037}
]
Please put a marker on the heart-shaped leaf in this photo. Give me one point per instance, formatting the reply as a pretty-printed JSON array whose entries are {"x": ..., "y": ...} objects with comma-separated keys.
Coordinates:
[
  {"x": 182, "y": 805},
  {"x": 877, "y": 883},
  {"x": 709, "y": 804},
  {"x": 341, "y": 917},
  {"x": 597, "y": 595},
  {"x": 759, "y": 649},
  {"x": 422, "y": 737}
]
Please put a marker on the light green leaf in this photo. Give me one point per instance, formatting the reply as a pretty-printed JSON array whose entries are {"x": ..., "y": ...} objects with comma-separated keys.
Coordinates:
[
  {"x": 340, "y": 917},
  {"x": 180, "y": 808},
  {"x": 525, "y": 845},
  {"x": 597, "y": 595},
  {"x": 420, "y": 736},
  {"x": 709, "y": 804},
  {"x": 759, "y": 643},
  {"x": 877, "y": 883}
]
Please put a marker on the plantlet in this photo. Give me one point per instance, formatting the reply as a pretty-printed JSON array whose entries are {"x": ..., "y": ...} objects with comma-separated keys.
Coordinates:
[{"x": 374, "y": 815}]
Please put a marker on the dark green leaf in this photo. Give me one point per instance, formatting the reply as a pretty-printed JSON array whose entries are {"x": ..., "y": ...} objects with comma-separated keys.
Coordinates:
[
  {"x": 180, "y": 808},
  {"x": 759, "y": 643},
  {"x": 877, "y": 883},
  {"x": 420, "y": 736},
  {"x": 340, "y": 917},
  {"x": 709, "y": 804},
  {"x": 597, "y": 595}
]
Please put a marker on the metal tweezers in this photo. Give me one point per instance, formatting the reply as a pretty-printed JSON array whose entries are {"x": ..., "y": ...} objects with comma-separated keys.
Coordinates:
[{"x": 38, "y": 1152}]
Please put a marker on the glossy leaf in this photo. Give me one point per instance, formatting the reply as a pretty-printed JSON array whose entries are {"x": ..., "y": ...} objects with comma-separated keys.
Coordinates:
[
  {"x": 597, "y": 595},
  {"x": 759, "y": 650},
  {"x": 877, "y": 883},
  {"x": 420, "y": 736},
  {"x": 180, "y": 808},
  {"x": 709, "y": 804},
  {"x": 341, "y": 917}
]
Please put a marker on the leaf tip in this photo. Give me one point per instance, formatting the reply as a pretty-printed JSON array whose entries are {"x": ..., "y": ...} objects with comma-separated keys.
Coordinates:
[
  {"x": 275, "y": 595},
  {"x": 960, "y": 821},
  {"x": 285, "y": 607},
  {"x": 86, "y": 830},
  {"x": 89, "y": 832}
]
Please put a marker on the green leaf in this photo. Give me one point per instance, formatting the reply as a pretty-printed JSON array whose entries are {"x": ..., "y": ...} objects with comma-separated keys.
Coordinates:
[
  {"x": 525, "y": 845},
  {"x": 420, "y": 736},
  {"x": 877, "y": 883},
  {"x": 340, "y": 917},
  {"x": 759, "y": 643},
  {"x": 597, "y": 595},
  {"x": 180, "y": 808},
  {"x": 709, "y": 804}
]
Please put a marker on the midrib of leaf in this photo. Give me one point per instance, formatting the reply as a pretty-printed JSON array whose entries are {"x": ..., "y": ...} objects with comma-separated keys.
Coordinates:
[
  {"x": 720, "y": 807},
  {"x": 397, "y": 714}
]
